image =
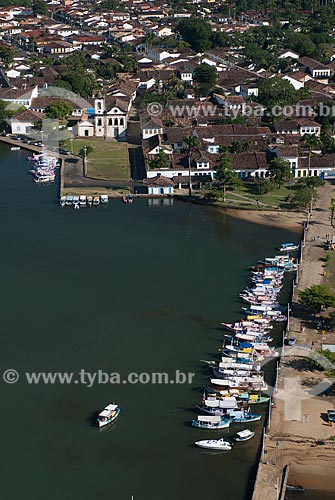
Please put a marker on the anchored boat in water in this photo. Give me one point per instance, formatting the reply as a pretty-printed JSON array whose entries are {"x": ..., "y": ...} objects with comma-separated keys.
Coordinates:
[
  {"x": 109, "y": 414},
  {"x": 214, "y": 444},
  {"x": 211, "y": 422},
  {"x": 244, "y": 435}
]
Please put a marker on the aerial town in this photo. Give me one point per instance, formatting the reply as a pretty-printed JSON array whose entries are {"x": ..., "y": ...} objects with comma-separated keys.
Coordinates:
[
  {"x": 224, "y": 112},
  {"x": 179, "y": 80}
]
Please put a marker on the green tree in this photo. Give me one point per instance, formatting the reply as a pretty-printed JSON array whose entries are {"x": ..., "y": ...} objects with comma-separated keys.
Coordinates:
[
  {"x": 279, "y": 171},
  {"x": 277, "y": 92},
  {"x": 206, "y": 76},
  {"x": 190, "y": 143},
  {"x": 225, "y": 173},
  {"x": 40, "y": 7},
  {"x": 161, "y": 160},
  {"x": 316, "y": 298},
  {"x": 263, "y": 186},
  {"x": 85, "y": 151},
  {"x": 58, "y": 110},
  {"x": 238, "y": 146},
  {"x": 197, "y": 32},
  {"x": 6, "y": 54},
  {"x": 303, "y": 196},
  {"x": 332, "y": 211}
]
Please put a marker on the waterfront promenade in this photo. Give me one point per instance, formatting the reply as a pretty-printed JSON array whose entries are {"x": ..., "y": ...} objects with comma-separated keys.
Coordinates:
[{"x": 297, "y": 448}]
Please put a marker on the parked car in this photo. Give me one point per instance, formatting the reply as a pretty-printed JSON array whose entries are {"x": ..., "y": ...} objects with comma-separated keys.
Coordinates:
[
  {"x": 64, "y": 152},
  {"x": 331, "y": 416},
  {"x": 290, "y": 341},
  {"x": 16, "y": 137}
]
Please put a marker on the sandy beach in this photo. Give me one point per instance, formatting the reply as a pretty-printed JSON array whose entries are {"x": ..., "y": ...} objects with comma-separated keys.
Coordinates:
[{"x": 293, "y": 221}]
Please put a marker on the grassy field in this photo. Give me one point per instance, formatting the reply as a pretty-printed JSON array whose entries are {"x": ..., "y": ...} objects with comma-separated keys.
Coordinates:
[
  {"x": 108, "y": 161},
  {"x": 246, "y": 196}
]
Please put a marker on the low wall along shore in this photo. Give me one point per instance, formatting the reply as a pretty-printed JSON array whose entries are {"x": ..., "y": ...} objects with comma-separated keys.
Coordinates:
[{"x": 298, "y": 448}]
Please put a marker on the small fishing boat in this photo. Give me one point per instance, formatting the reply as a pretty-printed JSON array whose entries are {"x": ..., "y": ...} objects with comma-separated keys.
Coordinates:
[
  {"x": 214, "y": 444},
  {"x": 244, "y": 435},
  {"x": 15, "y": 148},
  {"x": 69, "y": 201},
  {"x": 82, "y": 200},
  {"x": 130, "y": 198},
  {"x": 288, "y": 247},
  {"x": 89, "y": 200},
  {"x": 96, "y": 201},
  {"x": 108, "y": 415},
  {"x": 211, "y": 422},
  {"x": 124, "y": 199},
  {"x": 253, "y": 399},
  {"x": 243, "y": 416},
  {"x": 104, "y": 198},
  {"x": 62, "y": 201}
]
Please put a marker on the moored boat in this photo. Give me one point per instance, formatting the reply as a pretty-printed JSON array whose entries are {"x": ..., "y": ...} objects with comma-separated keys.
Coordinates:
[
  {"x": 214, "y": 444},
  {"x": 244, "y": 435},
  {"x": 96, "y": 201},
  {"x": 62, "y": 201},
  {"x": 104, "y": 198},
  {"x": 211, "y": 422},
  {"x": 89, "y": 200}
]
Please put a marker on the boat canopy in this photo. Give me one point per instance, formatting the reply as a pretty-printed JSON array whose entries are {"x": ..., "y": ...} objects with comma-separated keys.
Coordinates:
[
  {"x": 243, "y": 434},
  {"x": 111, "y": 407},
  {"x": 208, "y": 418}
]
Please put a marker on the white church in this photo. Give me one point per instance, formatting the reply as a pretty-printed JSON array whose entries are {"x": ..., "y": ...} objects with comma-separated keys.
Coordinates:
[{"x": 109, "y": 119}]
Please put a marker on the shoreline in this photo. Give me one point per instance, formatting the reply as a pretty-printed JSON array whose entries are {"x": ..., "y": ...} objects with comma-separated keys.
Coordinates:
[
  {"x": 292, "y": 221},
  {"x": 297, "y": 436}
]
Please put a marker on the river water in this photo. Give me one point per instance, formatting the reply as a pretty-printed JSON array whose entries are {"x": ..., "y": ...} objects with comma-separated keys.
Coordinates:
[{"x": 119, "y": 288}]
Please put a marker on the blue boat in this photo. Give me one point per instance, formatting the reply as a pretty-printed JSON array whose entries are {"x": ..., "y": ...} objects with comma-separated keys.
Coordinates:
[{"x": 243, "y": 416}]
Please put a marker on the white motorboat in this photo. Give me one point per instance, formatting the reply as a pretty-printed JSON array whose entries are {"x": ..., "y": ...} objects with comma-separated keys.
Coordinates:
[
  {"x": 214, "y": 444},
  {"x": 244, "y": 435},
  {"x": 104, "y": 198},
  {"x": 108, "y": 414},
  {"x": 62, "y": 201}
]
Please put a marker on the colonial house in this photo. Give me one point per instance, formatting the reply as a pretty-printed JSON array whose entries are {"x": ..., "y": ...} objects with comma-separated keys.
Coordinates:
[
  {"x": 300, "y": 126},
  {"x": 288, "y": 54},
  {"x": 150, "y": 125},
  {"x": 23, "y": 122},
  {"x": 153, "y": 145},
  {"x": 18, "y": 97},
  {"x": 159, "y": 185},
  {"x": 201, "y": 168},
  {"x": 316, "y": 69},
  {"x": 250, "y": 165}
]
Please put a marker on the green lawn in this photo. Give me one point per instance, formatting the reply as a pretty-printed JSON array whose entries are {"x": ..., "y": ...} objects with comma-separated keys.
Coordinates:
[
  {"x": 246, "y": 195},
  {"x": 108, "y": 161}
]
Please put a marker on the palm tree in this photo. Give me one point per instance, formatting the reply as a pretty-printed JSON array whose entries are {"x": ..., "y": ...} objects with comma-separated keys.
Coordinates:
[
  {"x": 190, "y": 142},
  {"x": 225, "y": 173},
  {"x": 161, "y": 160}
]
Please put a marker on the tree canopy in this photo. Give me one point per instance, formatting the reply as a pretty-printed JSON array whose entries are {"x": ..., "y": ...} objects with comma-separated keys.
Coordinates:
[
  {"x": 279, "y": 170},
  {"x": 316, "y": 298},
  {"x": 58, "y": 110}
]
